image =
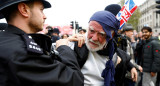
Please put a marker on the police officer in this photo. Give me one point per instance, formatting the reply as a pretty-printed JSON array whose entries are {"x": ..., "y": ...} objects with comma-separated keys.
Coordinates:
[{"x": 26, "y": 58}]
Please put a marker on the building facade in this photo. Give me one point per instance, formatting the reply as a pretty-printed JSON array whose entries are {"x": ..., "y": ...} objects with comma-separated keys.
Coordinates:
[{"x": 149, "y": 17}]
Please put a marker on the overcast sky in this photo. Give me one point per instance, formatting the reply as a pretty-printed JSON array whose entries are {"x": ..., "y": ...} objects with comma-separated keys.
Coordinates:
[{"x": 65, "y": 11}]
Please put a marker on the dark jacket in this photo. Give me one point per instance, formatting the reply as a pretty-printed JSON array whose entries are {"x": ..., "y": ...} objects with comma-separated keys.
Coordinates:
[
  {"x": 151, "y": 56},
  {"x": 25, "y": 60},
  {"x": 139, "y": 51}
]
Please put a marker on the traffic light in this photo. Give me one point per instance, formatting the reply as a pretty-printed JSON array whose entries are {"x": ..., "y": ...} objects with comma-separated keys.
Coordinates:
[
  {"x": 72, "y": 24},
  {"x": 77, "y": 26},
  {"x": 158, "y": 6}
]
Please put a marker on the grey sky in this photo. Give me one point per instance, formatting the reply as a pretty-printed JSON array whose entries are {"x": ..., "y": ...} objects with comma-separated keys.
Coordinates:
[{"x": 64, "y": 11}]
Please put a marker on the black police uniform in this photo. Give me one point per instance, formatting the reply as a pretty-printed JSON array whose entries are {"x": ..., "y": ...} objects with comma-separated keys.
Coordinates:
[{"x": 25, "y": 61}]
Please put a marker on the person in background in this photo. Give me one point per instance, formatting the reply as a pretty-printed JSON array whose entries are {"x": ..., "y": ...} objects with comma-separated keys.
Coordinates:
[
  {"x": 55, "y": 35},
  {"x": 28, "y": 60},
  {"x": 45, "y": 30},
  {"x": 131, "y": 45},
  {"x": 64, "y": 36},
  {"x": 50, "y": 31},
  {"x": 82, "y": 31},
  {"x": 150, "y": 57},
  {"x": 120, "y": 40},
  {"x": 138, "y": 52},
  {"x": 55, "y": 32}
]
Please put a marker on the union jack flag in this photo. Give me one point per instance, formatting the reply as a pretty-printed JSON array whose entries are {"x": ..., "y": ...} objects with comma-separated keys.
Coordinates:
[{"x": 126, "y": 12}]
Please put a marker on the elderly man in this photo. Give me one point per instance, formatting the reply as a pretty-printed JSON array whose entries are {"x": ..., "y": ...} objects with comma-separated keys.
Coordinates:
[
  {"x": 95, "y": 56},
  {"x": 26, "y": 58}
]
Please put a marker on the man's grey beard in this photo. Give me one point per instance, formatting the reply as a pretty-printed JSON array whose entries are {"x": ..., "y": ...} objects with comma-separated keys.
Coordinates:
[{"x": 101, "y": 46}]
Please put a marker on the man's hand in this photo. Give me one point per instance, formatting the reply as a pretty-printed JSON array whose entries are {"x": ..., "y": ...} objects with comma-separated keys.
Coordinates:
[
  {"x": 61, "y": 42},
  {"x": 140, "y": 68},
  {"x": 78, "y": 37},
  {"x": 118, "y": 60},
  {"x": 134, "y": 74},
  {"x": 153, "y": 74}
]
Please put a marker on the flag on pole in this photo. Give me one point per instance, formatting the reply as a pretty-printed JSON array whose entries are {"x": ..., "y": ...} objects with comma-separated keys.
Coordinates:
[{"x": 126, "y": 12}]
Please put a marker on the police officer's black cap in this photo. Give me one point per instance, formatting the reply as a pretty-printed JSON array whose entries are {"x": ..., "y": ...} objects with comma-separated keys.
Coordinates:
[
  {"x": 56, "y": 30},
  {"x": 7, "y": 3}
]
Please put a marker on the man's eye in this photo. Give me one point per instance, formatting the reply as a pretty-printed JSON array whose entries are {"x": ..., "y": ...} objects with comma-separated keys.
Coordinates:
[
  {"x": 102, "y": 35},
  {"x": 144, "y": 32},
  {"x": 92, "y": 30}
]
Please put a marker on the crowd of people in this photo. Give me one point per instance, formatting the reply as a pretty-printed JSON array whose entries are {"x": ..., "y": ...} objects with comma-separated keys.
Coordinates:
[{"x": 101, "y": 55}]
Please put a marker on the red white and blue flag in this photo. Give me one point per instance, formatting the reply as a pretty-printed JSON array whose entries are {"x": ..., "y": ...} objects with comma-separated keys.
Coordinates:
[{"x": 126, "y": 12}]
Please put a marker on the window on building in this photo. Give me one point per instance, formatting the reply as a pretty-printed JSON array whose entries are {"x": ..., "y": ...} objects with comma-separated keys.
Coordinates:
[
  {"x": 156, "y": 15},
  {"x": 155, "y": 30},
  {"x": 156, "y": 24}
]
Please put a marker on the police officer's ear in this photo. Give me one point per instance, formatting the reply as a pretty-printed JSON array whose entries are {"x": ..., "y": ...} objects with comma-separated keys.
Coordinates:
[{"x": 24, "y": 9}]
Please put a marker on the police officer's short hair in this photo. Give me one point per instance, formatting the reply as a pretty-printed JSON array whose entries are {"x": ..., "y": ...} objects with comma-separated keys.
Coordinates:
[{"x": 10, "y": 12}]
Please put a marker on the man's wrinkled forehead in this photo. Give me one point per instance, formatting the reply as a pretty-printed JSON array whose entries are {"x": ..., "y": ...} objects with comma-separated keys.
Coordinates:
[
  {"x": 93, "y": 29},
  {"x": 95, "y": 24}
]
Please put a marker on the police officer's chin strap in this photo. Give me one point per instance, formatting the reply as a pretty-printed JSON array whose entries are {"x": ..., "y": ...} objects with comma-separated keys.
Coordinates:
[{"x": 109, "y": 71}]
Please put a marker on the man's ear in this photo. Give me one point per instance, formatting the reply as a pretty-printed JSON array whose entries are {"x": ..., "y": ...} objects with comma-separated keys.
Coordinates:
[
  {"x": 23, "y": 9},
  {"x": 113, "y": 33}
]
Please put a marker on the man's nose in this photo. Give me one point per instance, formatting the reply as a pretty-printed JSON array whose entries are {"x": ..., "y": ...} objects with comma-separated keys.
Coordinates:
[
  {"x": 95, "y": 37},
  {"x": 44, "y": 16}
]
